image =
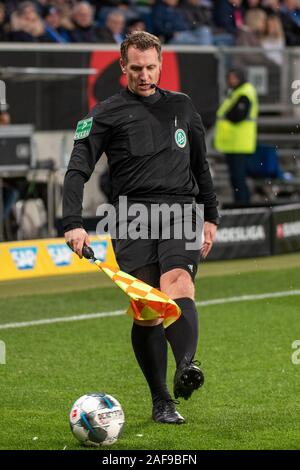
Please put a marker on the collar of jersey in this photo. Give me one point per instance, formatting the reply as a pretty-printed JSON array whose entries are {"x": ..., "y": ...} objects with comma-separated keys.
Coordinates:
[{"x": 147, "y": 99}]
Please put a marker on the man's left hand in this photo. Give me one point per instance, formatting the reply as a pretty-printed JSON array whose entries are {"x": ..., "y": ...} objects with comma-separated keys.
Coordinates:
[{"x": 210, "y": 231}]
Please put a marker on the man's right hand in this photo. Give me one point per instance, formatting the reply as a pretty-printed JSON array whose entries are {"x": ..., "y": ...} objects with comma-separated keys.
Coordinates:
[{"x": 76, "y": 238}]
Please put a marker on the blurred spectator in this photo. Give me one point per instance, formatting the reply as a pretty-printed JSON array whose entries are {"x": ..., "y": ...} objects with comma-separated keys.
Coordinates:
[
  {"x": 274, "y": 40},
  {"x": 65, "y": 8},
  {"x": 26, "y": 24},
  {"x": 199, "y": 16},
  {"x": 3, "y": 26},
  {"x": 168, "y": 20},
  {"x": 203, "y": 22},
  {"x": 198, "y": 13},
  {"x": 271, "y": 7},
  {"x": 289, "y": 8},
  {"x": 85, "y": 29},
  {"x": 53, "y": 25},
  {"x": 113, "y": 31},
  {"x": 229, "y": 15},
  {"x": 146, "y": 3},
  {"x": 250, "y": 4},
  {"x": 125, "y": 8},
  {"x": 171, "y": 23},
  {"x": 106, "y": 3},
  {"x": 136, "y": 24},
  {"x": 252, "y": 35},
  {"x": 10, "y": 6},
  {"x": 236, "y": 131},
  {"x": 143, "y": 9},
  {"x": 254, "y": 29},
  {"x": 291, "y": 22}
]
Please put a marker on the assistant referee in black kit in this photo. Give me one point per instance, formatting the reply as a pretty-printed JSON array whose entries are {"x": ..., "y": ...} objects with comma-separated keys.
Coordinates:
[{"x": 154, "y": 142}]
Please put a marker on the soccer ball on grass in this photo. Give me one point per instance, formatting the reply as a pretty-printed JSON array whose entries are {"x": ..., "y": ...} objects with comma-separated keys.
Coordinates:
[{"x": 97, "y": 419}]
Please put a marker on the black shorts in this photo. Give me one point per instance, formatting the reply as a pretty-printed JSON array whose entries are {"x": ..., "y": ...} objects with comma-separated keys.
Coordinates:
[{"x": 161, "y": 253}]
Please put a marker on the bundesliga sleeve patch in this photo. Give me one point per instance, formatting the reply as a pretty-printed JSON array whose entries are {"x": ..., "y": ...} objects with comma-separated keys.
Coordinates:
[{"x": 83, "y": 128}]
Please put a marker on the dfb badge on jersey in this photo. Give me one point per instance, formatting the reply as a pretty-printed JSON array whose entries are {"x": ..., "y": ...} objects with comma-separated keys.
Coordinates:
[{"x": 180, "y": 138}]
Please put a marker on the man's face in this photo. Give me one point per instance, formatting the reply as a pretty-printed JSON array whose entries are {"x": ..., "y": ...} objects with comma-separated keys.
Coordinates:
[
  {"x": 171, "y": 3},
  {"x": 290, "y": 4},
  {"x": 53, "y": 19},
  {"x": 4, "y": 118},
  {"x": 115, "y": 23},
  {"x": 142, "y": 69},
  {"x": 232, "y": 80},
  {"x": 83, "y": 15},
  {"x": 29, "y": 13}
]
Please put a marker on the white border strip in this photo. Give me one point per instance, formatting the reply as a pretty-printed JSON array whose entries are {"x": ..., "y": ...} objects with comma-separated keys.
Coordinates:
[
  {"x": 116, "y": 313},
  {"x": 241, "y": 298},
  {"x": 48, "y": 321},
  {"x": 84, "y": 47}
]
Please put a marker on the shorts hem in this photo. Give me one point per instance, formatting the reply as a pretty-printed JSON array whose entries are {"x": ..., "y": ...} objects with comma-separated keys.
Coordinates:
[{"x": 185, "y": 268}]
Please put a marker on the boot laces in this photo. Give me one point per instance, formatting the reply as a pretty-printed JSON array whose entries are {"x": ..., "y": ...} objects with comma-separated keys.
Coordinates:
[{"x": 169, "y": 403}]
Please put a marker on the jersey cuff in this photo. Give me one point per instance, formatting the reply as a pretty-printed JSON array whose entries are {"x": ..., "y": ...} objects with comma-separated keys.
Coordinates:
[{"x": 71, "y": 225}]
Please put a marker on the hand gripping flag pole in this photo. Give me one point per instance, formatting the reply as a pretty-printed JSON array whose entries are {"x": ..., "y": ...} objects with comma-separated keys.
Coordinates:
[{"x": 146, "y": 302}]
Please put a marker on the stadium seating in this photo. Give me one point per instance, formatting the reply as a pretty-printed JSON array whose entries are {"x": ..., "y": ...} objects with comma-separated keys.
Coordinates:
[{"x": 283, "y": 133}]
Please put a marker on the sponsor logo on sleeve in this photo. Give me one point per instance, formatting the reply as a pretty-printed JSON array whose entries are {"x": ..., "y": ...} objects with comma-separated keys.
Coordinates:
[{"x": 83, "y": 128}]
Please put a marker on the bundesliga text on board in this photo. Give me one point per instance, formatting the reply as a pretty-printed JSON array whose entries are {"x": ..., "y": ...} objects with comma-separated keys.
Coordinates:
[{"x": 241, "y": 234}]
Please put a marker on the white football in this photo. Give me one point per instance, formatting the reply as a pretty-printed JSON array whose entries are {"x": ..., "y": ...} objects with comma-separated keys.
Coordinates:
[{"x": 97, "y": 419}]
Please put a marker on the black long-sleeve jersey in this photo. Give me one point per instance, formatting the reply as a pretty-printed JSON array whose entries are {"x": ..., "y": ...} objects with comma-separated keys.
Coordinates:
[{"x": 156, "y": 152}]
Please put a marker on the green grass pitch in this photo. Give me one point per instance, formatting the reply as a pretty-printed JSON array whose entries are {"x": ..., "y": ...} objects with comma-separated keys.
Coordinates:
[{"x": 250, "y": 399}]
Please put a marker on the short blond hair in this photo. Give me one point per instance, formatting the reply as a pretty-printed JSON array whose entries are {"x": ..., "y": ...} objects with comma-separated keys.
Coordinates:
[
  {"x": 254, "y": 18},
  {"x": 140, "y": 40}
]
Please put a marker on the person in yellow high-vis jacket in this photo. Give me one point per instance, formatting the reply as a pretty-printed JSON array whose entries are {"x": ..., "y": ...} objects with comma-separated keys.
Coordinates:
[{"x": 236, "y": 131}]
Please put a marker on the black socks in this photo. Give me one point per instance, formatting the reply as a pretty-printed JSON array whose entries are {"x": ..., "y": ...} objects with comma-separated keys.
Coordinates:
[
  {"x": 183, "y": 333},
  {"x": 150, "y": 348}
]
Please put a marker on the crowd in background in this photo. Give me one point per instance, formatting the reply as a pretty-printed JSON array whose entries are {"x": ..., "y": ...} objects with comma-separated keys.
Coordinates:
[{"x": 268, "y": 23}]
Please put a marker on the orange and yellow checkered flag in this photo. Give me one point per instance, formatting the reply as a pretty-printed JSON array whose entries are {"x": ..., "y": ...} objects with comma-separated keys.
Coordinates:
[{"x": 146, "y": 302}]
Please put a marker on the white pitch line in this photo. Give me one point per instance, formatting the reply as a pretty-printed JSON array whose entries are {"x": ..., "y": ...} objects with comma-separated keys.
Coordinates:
[
  {"x": 115, "y": 313},
  {"x": 48, "y": 321},
  {"x": 241, "y": 298}
]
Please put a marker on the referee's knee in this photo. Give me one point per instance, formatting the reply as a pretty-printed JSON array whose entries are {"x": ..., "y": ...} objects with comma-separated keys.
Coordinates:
[{"x": 177, "y": 283}]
